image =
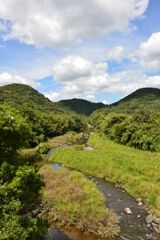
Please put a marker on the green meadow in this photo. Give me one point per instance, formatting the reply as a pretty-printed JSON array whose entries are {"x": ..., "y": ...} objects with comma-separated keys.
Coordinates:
[{"x": 138, "y": 171}]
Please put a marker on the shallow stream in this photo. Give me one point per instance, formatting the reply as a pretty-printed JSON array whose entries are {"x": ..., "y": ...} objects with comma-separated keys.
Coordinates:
[{"x": 133, "y": 227}]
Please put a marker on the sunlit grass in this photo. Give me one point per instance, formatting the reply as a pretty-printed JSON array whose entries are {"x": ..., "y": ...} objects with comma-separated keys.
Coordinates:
[{"x": 138, "y": 171}]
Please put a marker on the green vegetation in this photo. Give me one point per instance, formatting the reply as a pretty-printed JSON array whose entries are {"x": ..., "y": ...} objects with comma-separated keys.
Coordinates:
[
  {"x": 80, "y": 203},
  {"x": 137, "y": 170},
  {"x": 80, "y": 106},
  {"x": 149, "y": 97},
  {"x": 19, "y": 184},
  {"x": 21, "y": 96},
  {"x": 30, "y": 125},
  {"x": 140, "y": 130}
]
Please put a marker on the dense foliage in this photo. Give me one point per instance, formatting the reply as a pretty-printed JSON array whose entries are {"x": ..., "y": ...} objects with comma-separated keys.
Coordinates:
[
  {"x": 140, "y": 130},
  {"x": 49, "y": 125},
  {"x": 19, "y": 184},
  {"x": 149, "y": 97},
  {"x": 20, "y": 96}
]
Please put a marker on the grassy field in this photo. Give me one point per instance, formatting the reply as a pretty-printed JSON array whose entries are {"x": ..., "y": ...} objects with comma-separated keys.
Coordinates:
[
  {"x": 138, "y": 171},
  {"x": 72, "y": 200}
]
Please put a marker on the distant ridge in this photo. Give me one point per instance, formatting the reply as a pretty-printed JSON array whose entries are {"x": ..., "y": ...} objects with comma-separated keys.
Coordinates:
[
  {"x": 17, "y": 95},
  {"x": 80, "y": 106}
]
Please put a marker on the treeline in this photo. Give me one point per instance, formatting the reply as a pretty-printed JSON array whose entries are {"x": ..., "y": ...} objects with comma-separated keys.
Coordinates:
[
  {"x": 43, "y": 125},
  {"x": 140, "y": 130}
]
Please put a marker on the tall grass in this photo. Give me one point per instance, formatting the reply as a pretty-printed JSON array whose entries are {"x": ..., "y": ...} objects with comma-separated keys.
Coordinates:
[
  {"x": 138, "y": 171},
  {"x": 72, "y": 200}
]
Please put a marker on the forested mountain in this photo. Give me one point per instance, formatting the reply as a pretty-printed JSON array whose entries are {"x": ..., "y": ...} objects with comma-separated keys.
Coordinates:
[
  {"x": 18, "y": 95},
  {"x": 44, "y": 117},
  {"x": 80, "y": 106},
  {"x": 150, "y": 97}
]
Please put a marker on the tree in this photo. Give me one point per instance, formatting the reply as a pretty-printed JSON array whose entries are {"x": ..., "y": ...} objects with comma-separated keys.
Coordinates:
[{"x": 14, "y": 133}]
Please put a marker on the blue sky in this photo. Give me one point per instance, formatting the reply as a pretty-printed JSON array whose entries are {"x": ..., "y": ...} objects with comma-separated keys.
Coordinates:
[{"x": 99, "y": 50}]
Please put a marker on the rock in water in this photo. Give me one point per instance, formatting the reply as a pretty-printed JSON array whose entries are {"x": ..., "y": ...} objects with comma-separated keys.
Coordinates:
[
  {"x": 138, "y": 200},
  {"x": 128, "y": 211}
]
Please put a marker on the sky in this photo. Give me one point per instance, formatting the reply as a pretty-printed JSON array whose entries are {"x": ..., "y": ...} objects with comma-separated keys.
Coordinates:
[{"x": 98, "y": 50}]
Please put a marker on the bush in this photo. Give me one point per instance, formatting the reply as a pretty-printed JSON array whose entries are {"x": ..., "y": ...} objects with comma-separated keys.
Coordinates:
[{"x": 42, "y": 148}]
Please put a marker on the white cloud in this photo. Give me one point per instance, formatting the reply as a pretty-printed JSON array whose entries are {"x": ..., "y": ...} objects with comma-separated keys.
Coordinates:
[
  {"x": 61, "y": 23},
  {"x": 89, "y": 97},
  {"x": 105, "y": 102},
  {"x": 6, "y": 78},
  {"x": 131, "y": 81},
  {"x": 80, "y": 78},
  {"x": 87, "y": 87},
  {"x": 151, "y": 48},
  {"x": 116, "y": 54},
  {"x": 53, "y": 96},
  {"x": 148, "y": 54},
  {"x": 71, "y": 68},
  {"x": 2, "y": 46}
]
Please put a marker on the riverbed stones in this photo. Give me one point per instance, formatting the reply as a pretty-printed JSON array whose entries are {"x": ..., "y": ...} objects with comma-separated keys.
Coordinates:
[
  {"x": 149, "y": 219},
  {"x": 156, "y": 229},
  {"x": 138, "y": 200},
  {"x": 109, "y": 194},
  {"x": 140, "y": 204},
  {"x": 128, "y": 211},
  {"x": 156, "y": 220},
  {"x": 63, "y": 165}
]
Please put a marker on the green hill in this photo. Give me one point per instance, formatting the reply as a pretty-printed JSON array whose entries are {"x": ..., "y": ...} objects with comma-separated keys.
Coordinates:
[
  {"x": 19, "y": 95},
  {"x": 150, "y": 97},
  {"x": 80, "y": 106}
]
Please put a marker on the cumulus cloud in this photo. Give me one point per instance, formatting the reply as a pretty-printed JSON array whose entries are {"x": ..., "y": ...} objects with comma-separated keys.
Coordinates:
[
  {"x": 95, "y": 80},
  {"x": 80, "y": 78},
  {"x": 116, "y": 54},
  {"x": 131, "y": 81},
  {"x": 61, "y": 23},
  {"x": 148, "y": 54},
  {"x": 6, "y": 78}
]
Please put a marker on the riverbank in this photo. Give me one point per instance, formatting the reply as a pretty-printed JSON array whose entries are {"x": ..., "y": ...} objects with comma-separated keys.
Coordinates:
[
  {"x": 71, "y": 200},
  {"x": 136, "y": 170}
]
